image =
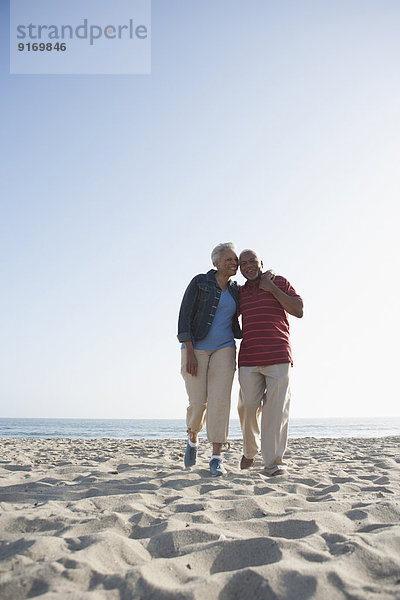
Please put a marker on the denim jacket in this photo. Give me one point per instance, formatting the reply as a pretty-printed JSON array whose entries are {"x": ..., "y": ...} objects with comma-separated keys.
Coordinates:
[{"x": 199, "y": 305}]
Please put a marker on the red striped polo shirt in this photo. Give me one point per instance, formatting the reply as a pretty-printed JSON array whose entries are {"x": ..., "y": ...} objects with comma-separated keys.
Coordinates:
[{"x": 265, "y": 325}]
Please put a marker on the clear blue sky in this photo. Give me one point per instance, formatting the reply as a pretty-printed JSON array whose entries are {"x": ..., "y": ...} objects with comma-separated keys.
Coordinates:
[{"x": 274, "y": 125}]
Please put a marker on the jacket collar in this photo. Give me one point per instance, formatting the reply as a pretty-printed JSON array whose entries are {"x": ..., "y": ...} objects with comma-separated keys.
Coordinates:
[{"x": 211, "y": 277}]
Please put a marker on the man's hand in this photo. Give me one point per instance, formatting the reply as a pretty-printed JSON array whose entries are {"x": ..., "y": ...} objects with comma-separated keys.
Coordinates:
[
  {"x": 292, "y": 304},
  {"x": 266, "y": 281},
  {"x": 270, "y": 273}
]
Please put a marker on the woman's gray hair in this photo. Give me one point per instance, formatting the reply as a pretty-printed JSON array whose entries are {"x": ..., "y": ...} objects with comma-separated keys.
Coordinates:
[{"x": 218, "y": 250}]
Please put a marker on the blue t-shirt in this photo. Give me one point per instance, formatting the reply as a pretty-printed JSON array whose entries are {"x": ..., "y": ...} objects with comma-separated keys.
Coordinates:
[{"x": 220, "y": 333}]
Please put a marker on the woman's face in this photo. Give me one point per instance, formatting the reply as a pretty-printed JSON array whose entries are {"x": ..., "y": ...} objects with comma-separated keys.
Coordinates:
[{"x": 227, "y": 263}]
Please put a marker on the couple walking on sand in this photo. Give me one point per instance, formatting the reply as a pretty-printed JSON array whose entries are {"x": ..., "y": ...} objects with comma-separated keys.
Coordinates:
[{"x": 207, "y": 327}]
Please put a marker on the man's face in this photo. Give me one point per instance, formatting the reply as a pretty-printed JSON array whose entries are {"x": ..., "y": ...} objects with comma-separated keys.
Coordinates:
[{"x": 250, "y": 265}]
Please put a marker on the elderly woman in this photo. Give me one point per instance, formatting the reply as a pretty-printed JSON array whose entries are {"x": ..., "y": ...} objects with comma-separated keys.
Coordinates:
[{"x": 207, "y": 327}]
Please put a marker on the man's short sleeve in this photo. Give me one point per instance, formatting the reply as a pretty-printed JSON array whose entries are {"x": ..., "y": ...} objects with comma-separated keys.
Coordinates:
[{"x": 289, "y": 289}]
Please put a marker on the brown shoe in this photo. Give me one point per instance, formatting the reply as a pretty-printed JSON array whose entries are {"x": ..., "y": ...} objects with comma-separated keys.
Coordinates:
[{"x": 246, "y": 463}]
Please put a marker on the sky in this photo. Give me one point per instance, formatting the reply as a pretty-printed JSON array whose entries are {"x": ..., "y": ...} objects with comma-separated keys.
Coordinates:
[{"x": 274, "y": 125}]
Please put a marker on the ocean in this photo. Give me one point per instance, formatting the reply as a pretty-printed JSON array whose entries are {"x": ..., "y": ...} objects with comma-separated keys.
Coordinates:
[{"x": 175, "y": 428}]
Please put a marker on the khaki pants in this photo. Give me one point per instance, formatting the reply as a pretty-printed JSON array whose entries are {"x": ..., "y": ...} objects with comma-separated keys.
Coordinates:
[
  {"x": 265, "y": 390},
  {"x": 210, "y": 392}
]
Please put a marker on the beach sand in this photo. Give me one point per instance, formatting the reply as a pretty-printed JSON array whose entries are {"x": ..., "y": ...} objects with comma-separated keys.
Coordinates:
[{"x": 123, "y": 519}]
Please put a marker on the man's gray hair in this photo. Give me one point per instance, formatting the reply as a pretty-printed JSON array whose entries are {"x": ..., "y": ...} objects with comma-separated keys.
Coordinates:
[
  {"x": 250, "y": 250},
  {"x": 218, "y": 250}
]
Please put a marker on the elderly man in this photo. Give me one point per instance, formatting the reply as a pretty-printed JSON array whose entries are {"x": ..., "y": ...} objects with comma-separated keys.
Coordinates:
[{"x": 264, "y": 360}]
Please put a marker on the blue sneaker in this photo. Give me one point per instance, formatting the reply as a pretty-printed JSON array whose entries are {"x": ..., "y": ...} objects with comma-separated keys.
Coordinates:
[
  {"x": 216, "y": 467},
  {"x": 190, "y": 455}
]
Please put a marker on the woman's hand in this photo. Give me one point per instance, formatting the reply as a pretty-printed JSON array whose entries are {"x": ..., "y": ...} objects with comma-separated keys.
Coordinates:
[
  {"x": 191, "y": 360},
  {"x": 191, "y": 363}
]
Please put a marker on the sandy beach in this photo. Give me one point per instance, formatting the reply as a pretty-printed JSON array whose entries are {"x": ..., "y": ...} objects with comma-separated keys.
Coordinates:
[{"x": 123, "y": 519}]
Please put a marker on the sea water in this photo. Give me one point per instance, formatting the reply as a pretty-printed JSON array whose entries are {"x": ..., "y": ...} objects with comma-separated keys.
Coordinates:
[{"x": 176, "y": 428}]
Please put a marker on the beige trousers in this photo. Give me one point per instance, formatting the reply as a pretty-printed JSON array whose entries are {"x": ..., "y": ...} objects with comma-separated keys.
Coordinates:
[
  {"x": 210, "y": 392},
  {"x": 265, "y": 390}
]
